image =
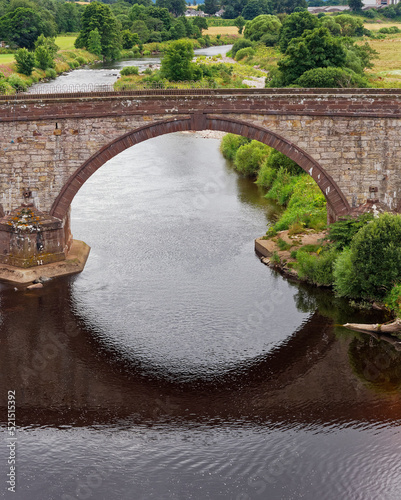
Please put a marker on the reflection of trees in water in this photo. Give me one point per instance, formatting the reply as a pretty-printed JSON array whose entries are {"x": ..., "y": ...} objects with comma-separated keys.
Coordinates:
[{"x": 376, "y": 362}]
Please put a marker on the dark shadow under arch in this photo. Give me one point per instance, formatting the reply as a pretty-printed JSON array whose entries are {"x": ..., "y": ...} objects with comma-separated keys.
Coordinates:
[{"x": 337, "y": 203}]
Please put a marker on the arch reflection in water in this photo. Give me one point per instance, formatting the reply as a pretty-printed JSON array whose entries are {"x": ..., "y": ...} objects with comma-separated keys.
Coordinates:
[{"x": 96, "y": 391}]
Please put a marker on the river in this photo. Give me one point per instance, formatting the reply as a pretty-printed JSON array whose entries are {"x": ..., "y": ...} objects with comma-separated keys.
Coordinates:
[{"x": 178, "y": 366}]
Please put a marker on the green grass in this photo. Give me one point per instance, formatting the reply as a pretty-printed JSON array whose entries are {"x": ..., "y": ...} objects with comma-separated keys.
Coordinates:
[
  {"x": 66, "y": 42},
  {"x": 6, "y": 58}
]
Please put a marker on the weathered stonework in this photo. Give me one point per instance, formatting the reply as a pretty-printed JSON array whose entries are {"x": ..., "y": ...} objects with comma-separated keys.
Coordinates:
[{"x": 348, "y": 140}]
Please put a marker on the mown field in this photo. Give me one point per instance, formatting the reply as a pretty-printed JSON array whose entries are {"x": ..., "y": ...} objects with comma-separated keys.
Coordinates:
[
  {"x": 386, "y": 71},
  {"x": 221, "y": 30}
]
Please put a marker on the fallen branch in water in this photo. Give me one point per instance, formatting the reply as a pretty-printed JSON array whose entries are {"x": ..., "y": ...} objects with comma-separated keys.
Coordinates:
[{"x": 391, "y": 327}]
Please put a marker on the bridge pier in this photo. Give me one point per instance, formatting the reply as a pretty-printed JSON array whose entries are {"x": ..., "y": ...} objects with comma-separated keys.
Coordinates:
[{"x": 34, "y": 244}]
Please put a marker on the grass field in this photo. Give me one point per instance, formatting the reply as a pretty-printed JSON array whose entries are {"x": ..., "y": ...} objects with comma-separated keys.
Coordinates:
[
  {"x": 66, "y": 42},
  {"x": 377, "y": 26},
  {"x": 6, "y": 58},
  {"x": 386, "y": 71},
  {"x": 221, "y": 30}
]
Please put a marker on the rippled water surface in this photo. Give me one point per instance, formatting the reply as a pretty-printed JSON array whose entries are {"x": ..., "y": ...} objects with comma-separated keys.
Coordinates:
[{"x": 177, "y": 366}]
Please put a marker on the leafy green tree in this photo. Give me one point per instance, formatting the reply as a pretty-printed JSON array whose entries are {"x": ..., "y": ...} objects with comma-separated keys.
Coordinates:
[
  {"x": 94, "y": 44},
  {"x": 249, "y": 158},
  {"x": 129, "y": 39},
  {"x": 211, "y": 7},
  {"x": 99, "y": 16},
  {"x": 350, "y": 25},
  {"x": 373, "y": 264},
  {"x": 289, "y": 6},
  {"x": 176, "y": 7},
  {"x": 22, "y": 27},
  {"x": 355, "y": 5},
  {"x": 239, "y": 22},
  {"x": 201, "y": 23},
  {"x": 141, "y": 29},
  {"x": 294, "y": 25},
  {"x": 68, "y": 17},
  {"x": 315, "y": 49},
  {"x": 45, "y": 50},
  {"x": 176, "y": 64},
  {"x": 331, "y": 24},
  {"x": 25, "y": 61},
  {"x": 256, "y": 8},
  {"x": 240, "y": 44},
  {"x": 233, "y": 8},
  {"x": 262, "y": 25}
]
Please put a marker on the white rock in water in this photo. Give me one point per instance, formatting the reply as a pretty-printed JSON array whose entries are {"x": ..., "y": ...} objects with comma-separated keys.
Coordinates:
[{"x": 35, "y": 285}]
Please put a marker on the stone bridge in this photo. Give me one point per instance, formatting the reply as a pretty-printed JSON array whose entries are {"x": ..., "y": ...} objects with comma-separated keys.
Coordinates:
[{"x": 348, "y": 140}]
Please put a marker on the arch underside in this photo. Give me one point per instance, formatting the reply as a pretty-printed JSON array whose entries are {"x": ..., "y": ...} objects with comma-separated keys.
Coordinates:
[{"x": 337, "y": 203}]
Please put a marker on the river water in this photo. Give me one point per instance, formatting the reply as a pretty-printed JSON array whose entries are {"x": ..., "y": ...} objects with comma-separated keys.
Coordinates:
[{"x": 178, "y": 366}]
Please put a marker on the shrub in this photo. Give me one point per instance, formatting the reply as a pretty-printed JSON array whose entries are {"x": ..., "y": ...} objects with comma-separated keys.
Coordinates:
[
  {"x": 331, "y": 78},
  {"x": 129, "y": 70},
  {"x": 249, "y": 157},
  {"x": 266, "y": 175},
  {"x": 51, "y": 73},
  {"x": 374, "y": 262},
  {"x": 17, "y": 83},
  {"x": 6, "y": 88},
  {"x": 25, "y": 61},
  {"x": 393, "y": 300},
  {"x": 318, "y": 269},
  {"x": 245, "y": 52},
  {"x": 240, "y": 44},
  {"x": 283, "y": 245},
  {"x": 345, "y": 280},
  {"x": 230, "y": 145},
  {"x": 390, "y": 30},
  {"x": 277, "y": 160},
  {"x": 340, "y": 233},
  {"x": 306, "y": 205},
  {"x": 81, "y": 60}
]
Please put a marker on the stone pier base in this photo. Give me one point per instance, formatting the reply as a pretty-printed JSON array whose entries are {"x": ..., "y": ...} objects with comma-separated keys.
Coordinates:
[{"x": 74, "y": 263}]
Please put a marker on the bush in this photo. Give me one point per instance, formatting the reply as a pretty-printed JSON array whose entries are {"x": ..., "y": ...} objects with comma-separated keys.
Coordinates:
[
  {"x": 6, "y": 88},
  {"x": 318, "y": 269},
  {"x": 340, "y": 233},
  {"x": 374, "y": 263},
  {"x": 245, "y": 52},
  {"x": 249, "y": 157},
  {"x": 25, "y": 61},
  {"x": 306, "y": 205},
  {"x": 393, "y": 300},
  {"x": 51, "y": 73},
  {"x": 266, "y": 175},
  {"x": 230, "y": 144},
  {"x": 331, "y": 78},
  {"x": 81, "y": 60},
  {"x": 17, "y": 83},
  {"x": 282, "y": 189},
  {"x": 240, "y": 44},
  {"x": 345, "y": 280},
  {"x": 390, "y": 30},
  {"x": 129, "y": 70}
]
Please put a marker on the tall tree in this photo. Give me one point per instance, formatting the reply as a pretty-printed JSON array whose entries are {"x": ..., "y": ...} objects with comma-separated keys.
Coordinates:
[
  {"x": 177, "y": 63},
  {"x": 176, "y": 7},
  {"x": 211, "y": 7},
  {"x": 294, "y": 25},
  {"x": 99, "y": 16},
  {"x": 355, "y": 5},
  {"x": 22, "y": 27}
]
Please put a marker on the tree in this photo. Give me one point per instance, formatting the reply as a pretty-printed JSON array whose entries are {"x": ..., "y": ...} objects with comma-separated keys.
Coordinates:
[
  {"x": 350, "y": 25},
  {"x": 176, "y": 65},
  {"x": 239, "y": 22},
  {"x": 129, "y": 39},
  {"x": 201, "y": 23},
  {"x": 176, "y": 7},
  {"x": 94, "y": 44},
  {"x": 315, "y": 49},
  {"x": 45, "y": 50},
  {"x": 355, "y": 5},
  {"x": 289, "y": 6},
  {"x": 25, "y": 61},
  {"x": 99, "y": 16},
  {"x": 256, "y": 8},
  {"x": 294, "y": 25},
  {"x": 22, "y": 27},
  {"x": 373, "y": 264},
  {"x": 262, "y": 25},
  {"x": 211, "y": 7},
  {"x": 233, "y": 8}
]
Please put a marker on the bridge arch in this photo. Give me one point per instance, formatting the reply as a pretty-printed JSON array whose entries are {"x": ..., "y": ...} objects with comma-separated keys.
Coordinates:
[{"x": 337, "y": 203}]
